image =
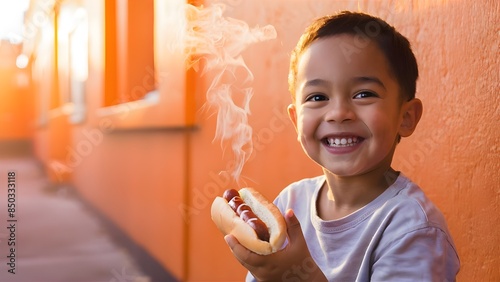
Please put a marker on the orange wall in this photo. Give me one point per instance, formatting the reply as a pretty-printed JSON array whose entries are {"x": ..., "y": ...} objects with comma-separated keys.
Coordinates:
[
  {"x": 16, "y": 98},
  {"x": 158, "y": 184},
  {"x": 454, "y": 154}
]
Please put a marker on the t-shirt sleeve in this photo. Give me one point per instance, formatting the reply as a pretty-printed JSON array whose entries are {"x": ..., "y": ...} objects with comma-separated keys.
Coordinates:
[
  {"x": 424, "y": 254},
  {"x": 250, "y": 278}
]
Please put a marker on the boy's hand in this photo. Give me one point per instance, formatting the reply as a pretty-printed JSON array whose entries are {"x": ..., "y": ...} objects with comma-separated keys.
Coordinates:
[{"x": 293, "y": 263}]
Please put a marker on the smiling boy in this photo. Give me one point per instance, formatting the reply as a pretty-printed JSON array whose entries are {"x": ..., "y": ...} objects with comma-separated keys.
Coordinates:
[{"x": 353, "y": 80}]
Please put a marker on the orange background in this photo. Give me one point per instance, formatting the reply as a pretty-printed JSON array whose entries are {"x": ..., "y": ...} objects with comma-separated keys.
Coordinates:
[{"x": 154, "y": 170}]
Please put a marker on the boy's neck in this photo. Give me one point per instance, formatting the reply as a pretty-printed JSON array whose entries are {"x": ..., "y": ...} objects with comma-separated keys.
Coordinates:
[{"x": 341, "y": 196}]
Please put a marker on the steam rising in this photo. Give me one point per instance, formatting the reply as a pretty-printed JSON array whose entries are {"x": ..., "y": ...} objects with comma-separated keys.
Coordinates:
[{"x": 213, "y": 46}]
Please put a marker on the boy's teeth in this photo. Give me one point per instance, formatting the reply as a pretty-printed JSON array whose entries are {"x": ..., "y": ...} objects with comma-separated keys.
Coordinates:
[{"x": 345, "y": 141}]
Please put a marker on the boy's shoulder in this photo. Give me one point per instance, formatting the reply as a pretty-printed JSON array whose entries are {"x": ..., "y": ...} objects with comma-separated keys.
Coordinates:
[
  {"x": 409, "y": 206},
  {"x": 409, "y": 214}
]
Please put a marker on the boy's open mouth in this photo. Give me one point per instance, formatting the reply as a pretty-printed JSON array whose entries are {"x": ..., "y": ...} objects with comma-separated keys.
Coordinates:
[{"x": 344, "y": 141}]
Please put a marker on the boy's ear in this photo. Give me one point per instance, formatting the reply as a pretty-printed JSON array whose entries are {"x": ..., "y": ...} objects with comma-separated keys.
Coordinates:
[
  {"x": 292, "y": 114},
  {"x": 412, "y": 112}
]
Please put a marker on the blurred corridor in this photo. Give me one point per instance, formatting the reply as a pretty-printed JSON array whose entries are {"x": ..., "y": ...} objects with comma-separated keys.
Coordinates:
[{"x": 58, "y": 238}]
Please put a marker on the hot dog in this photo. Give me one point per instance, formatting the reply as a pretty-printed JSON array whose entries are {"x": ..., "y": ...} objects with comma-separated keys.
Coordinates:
[{"x": 251, "y": 218}]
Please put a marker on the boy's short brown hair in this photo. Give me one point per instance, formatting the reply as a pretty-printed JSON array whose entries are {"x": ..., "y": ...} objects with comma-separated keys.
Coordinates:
[{"x": 393, "y": 45}]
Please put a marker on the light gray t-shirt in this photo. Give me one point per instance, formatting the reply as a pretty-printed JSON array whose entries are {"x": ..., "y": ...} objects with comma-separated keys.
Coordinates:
[{"x": 399, "y": 236}]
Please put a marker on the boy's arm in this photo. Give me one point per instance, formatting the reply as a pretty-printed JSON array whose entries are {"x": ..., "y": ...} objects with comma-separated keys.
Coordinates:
[
  {"x": 284, "y": 264},
  {"x": 421, "y": 255}
]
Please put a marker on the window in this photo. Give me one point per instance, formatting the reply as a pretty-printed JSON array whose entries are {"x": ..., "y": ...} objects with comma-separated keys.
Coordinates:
[
  {"x": 71, "y": 61},
  {"x": 145, "y": 79}
]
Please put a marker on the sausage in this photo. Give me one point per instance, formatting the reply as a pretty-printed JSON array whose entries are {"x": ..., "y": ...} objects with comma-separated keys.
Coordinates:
[{"x": 246, "y": 214}]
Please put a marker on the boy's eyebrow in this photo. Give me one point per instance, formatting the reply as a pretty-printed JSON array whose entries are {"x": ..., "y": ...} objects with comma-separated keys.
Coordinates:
[
  {"x": 316, "y": 82},
  {"x": 369, "y": 79},
  {"x": 359, "y": 79}
]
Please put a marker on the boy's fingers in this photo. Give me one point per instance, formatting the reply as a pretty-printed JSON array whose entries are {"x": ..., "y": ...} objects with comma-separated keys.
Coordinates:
[
  {"x": 233, "y": 243},
  {"x": 241, "y": 253},
  {"x": 230, "y": 240}
]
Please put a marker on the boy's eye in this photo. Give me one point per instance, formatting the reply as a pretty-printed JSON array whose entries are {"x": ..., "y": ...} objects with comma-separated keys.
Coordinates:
[
  {"x": 365, "y": 94},
  {"x": 316, "y": 98}
]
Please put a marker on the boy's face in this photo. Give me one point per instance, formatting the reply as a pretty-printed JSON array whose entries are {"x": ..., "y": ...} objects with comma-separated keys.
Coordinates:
[{"x": 347, "y": 110}]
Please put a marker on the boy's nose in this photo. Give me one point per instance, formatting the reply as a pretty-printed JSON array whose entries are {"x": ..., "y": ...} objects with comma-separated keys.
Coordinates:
[{"x": 339, "y": 111}]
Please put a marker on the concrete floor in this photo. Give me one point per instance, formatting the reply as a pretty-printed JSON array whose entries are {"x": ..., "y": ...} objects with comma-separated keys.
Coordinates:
[{"x": 57, "y": 237}]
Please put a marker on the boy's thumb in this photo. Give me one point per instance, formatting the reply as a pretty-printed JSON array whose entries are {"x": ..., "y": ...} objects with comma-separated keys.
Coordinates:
[{"x": 293, "y": 225}]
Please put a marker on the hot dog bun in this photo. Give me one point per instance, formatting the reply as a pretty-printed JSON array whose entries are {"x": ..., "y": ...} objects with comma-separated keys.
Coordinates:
[{"x": 229, "y": 222}]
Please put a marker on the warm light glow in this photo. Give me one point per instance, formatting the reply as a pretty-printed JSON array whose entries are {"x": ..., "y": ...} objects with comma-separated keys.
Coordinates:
[
  {"x": 22, "y": 61},
  {"x": 11, "y": 19},
  {"x": 73, "y": 40},
  {"x": 79, "y": 46}
]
